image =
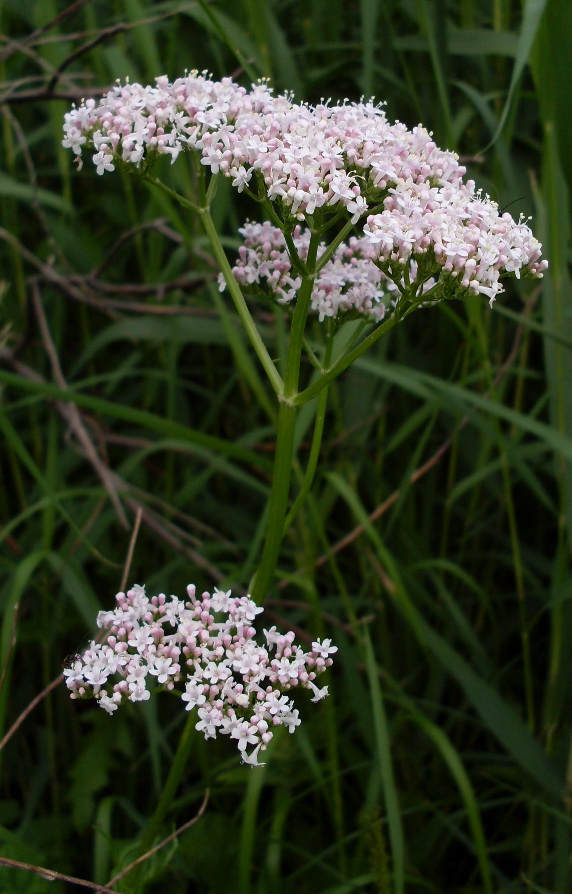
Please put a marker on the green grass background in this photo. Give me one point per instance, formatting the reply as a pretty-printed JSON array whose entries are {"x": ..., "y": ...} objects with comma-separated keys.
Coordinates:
[{"x": 442, "y": 761}]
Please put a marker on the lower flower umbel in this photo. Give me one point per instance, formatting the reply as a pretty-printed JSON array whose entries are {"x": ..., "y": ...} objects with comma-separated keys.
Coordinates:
[{"x": 203, "y": 647}]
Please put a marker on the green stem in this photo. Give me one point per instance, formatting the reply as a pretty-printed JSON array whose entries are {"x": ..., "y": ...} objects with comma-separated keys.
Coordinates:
[
  {"x": 282, "y": 472},
  {"x": 278, "y": 502},
  {"x": 314, "y": 449},
  {"x": 344, "y": 361},
  {"x": 227, "y": 39},
  {"x": 312, "y": 461},
  {"x": 232, "y": 285},
  {"x": 329, "y": 252},
  {"x": 240, "y": 305},
  {"x": 166, "y": 799}
]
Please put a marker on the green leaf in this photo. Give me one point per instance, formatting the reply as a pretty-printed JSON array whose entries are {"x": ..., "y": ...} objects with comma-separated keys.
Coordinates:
[{"x": 23, "y": 192}]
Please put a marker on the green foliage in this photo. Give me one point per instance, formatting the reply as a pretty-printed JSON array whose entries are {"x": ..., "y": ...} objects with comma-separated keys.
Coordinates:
[{"x": 441, "y": 762}]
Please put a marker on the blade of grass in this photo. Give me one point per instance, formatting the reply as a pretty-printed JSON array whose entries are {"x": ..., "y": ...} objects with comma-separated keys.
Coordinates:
[
  {"x": 496, "y": 712},
  {"x": 556, "y": 302},
  {"x": 243, "y": 360},
  {"x": 428, "y": 387},
  {"x": 451, "y": 758},
  {"x": 532, "y": 15},
  {"x": 142, "y": 418},
  {"x": 369, "y": 10},
  {"x": 383, "y": 752}
]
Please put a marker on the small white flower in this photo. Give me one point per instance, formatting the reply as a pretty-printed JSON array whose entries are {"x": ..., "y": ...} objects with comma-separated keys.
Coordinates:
[
  {"x": 103, "y": 162},
  {"x": 324, "y": 648},
  {"x": 138, "y": 692},
  {"x": 252, "y": 758},
  {"x": 162, "y": 668},
  {"x": 110, "y": 703},
  {"x": 194, "y": 695}
]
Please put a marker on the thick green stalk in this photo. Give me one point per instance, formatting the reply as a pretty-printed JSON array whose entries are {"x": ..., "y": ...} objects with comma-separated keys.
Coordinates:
[
  {"x": 312, "y": 461},
  {"x": 282, "y": 472},
  {"x": 314, "y": 449},
  {"x": 240, "y": 304},
  {"x": 278, "y": 503}
]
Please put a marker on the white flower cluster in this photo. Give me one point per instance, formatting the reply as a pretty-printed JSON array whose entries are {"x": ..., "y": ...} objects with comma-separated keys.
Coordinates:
[
  {"x": 318, "y": 159},
  {"x": 204, "y": 646},
  {"x": 307, "y": 157},
  {"x": 469, "y": 243},
  {"x": 348, "y": 282}
]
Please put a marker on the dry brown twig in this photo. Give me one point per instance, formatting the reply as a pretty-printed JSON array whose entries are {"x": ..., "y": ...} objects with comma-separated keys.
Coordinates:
[
  {"x": 80, "y": 288},
  {"x": 28, "y": 710},
  {"x": 51, "y": 875},
  {"x": 172, "y": 534},
  {"x": 33, "y": 179},
  {"x": 57, "y": 20},
  {"x": 11, "y": 644},
  {"x": 71, "y": 412},
  {"x": 165, "y": 841},
  {"x": 72, "y": 93}
]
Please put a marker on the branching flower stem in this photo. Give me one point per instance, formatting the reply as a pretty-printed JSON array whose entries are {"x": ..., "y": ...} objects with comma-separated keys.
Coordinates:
[
  {"x": 344, "y": 361},
  {"x": 286, "y": 390},
  {"x": 232, "y": 285},
  {"x": 279, "y": 495},
  {"x": 314, "y": 451}
]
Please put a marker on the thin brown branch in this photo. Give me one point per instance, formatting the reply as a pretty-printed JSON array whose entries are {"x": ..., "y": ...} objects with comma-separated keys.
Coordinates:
[
  {"x": 164, "y": 842},
  {"x": 48, "y": 92},
  {"x": 51, "y": 875},
  {"x": 72, "y": 413},
  {"x": 160, "y": 526},
  {"x": 28, "y": 710},
  {"x": 57, "y": 20},
  {"x": 33, "y": 179},
  {"x": 46, "y": 270},
  {"x": 159, "y": 289},
  {"x": 433, "y": 460},
  {"x": 80, "y": 288},
  {"x": 131, "y": 549},
  {"x": 166, "y": 530},
  {"x": 18, "y": 46},
  {"x": 420, "y": 472},
  {"x": 70, "y": 95},
  {"x": 103, "y": 35},
  {"x": 160, "y": 225}
]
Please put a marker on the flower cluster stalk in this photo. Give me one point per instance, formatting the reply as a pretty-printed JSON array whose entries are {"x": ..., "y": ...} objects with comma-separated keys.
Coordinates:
[{"x": 281, "y": 478}]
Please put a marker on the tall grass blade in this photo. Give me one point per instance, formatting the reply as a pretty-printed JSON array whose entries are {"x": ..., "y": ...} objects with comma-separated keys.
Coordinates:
[
  {"x": 533, "y": 12},
  {"x": 383, "y": 751},
  {"x": 497, "y": 713}
]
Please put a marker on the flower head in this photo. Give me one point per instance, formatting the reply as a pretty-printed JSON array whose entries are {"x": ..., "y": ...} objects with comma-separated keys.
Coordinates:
[
  {"x": 204, "y": 648},
  {"x": 427, "y": 232}
]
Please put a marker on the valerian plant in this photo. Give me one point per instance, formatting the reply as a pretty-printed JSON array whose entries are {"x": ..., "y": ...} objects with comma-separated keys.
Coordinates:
[{"x": 361, "y": 220}]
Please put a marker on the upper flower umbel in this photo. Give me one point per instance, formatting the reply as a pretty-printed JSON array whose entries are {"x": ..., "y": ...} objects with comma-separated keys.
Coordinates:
[
  {"x": 327, "y": 156},
  {"x": 312, "y": 162}
]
